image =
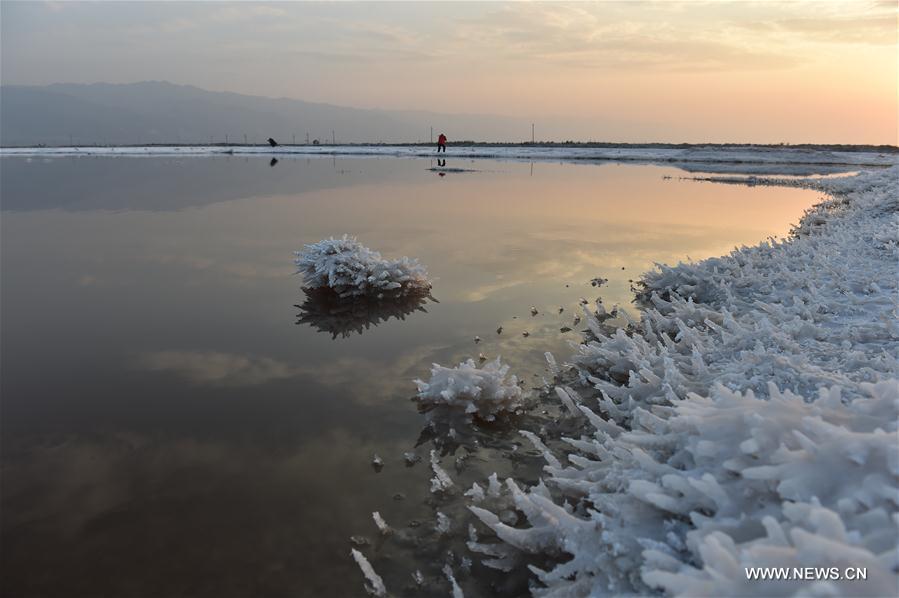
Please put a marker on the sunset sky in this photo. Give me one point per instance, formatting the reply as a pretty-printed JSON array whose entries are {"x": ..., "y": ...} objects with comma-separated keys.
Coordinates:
[{"x": 629, "y": 71}]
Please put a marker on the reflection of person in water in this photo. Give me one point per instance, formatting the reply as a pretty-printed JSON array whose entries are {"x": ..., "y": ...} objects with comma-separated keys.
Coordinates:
[
  {"x": 441, "y": 143},
  {"x": 441, "y": 163},
  {"x": 325, "y": 311}
]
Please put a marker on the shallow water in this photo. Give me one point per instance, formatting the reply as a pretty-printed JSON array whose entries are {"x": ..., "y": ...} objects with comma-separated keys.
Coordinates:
[{"x": 167, "y": 426}]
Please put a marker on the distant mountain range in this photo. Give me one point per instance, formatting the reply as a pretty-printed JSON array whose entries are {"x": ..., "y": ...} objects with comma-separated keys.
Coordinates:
[{"x": 161, "y": 112}]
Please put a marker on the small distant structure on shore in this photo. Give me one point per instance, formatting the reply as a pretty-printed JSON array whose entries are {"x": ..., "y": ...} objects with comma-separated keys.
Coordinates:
[
  {"x": 316, "y": 142},
  {"x": 272, "y": 142}
]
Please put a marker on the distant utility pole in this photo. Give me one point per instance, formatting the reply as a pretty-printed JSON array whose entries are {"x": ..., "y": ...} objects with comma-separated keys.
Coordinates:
[
  {"x": 432, "y": 134},
  {"x": 333, "y": 139},
  {"x": 226, "y": 139},
  {"x": 244, "y": 138},
  {"x": 210, "y": 140},
  {"x": 307, "y": 137},
  {"x": 71, "y": 143},
  {"x": 532, "y": 132},
  {"x": 294, "y": 137}
]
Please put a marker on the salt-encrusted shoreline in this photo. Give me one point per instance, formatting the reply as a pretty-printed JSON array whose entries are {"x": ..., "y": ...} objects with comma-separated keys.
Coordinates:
[{"x": 749, "y": 419}]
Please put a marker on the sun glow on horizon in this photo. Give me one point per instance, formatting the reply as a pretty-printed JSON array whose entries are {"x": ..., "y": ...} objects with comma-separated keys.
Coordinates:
[{"x": 823, "y": 72}]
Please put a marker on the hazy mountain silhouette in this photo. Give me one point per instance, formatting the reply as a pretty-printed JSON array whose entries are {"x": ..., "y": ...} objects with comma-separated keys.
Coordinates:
[{"x": 161, "y": 112}]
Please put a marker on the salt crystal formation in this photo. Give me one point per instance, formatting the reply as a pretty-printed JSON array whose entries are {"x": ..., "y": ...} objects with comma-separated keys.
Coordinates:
[
  {"x": 748, "y": 420},
  {"x": 482, "y": 391},
  {"x": 454, "y": 585},
  {"x": 375, "y": 585},
  {"x": 350, "y": 269},
  {"x": 382, "y": 525},
  {"x": 441, "y": 482}
]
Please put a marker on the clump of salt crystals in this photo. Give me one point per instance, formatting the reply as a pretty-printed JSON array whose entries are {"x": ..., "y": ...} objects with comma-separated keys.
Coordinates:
[
  {"x": 483, "y": 391},
  {"x": 351, "y": 270}
]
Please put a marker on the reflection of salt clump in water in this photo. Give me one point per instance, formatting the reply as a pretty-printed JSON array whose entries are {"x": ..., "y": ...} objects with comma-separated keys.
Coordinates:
[
  {"x": 483, "y": 391},
  {"x": 326, "y": 311},
  {"x": 351, "y": 269}
]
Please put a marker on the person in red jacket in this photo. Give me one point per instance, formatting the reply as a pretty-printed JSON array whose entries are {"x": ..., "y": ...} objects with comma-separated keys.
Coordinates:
[{"x": 441, "y": 143}]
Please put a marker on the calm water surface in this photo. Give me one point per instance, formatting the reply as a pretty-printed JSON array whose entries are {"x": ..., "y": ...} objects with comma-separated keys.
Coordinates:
[{"x": 169, "y": 429}]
